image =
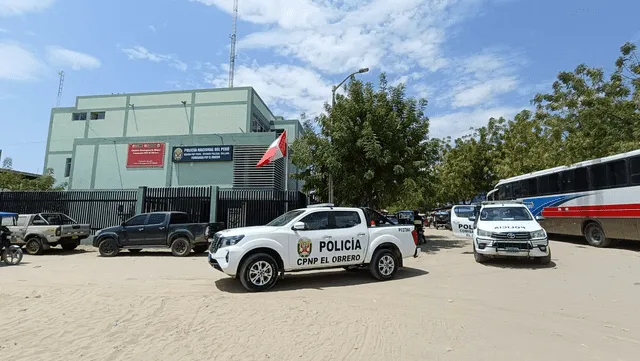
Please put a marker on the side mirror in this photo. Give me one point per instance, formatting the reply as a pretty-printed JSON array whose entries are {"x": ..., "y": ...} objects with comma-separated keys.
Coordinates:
[
  {"x": 299, "y": 226},
  {"x": 472, "y": 218},
  {"x": 539, "y": 218}
]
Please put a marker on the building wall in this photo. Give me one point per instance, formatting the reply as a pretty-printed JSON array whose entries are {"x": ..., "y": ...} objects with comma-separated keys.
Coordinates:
[{"x": 98, "y": 148}]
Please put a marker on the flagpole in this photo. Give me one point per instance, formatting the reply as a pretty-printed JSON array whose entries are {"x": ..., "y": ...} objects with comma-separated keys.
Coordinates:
[{"x": 286, "y": 180}]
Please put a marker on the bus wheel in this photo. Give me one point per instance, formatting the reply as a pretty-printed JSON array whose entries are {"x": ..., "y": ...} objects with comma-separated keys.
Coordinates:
[{"x": 595, "y": 235}]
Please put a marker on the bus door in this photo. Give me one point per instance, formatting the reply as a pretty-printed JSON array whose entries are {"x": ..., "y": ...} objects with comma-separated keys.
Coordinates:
[{"x": 460, "y": 223}]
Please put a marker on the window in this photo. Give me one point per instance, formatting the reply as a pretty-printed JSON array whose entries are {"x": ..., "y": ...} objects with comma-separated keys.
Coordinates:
[
  {"x": 502, "y": 214},
  {"x": 79, "y": 116},
  {"x": 517, "y": 190},
  {"x": 38, "y": 221},
  {"x": 581, "y": 179},
  {"x": 568, "y": 181},
  {"x": 52, "y": 219},
  {"x": 67, "y": 168},
  {"x": 543, "y": 185},
  {"x": 21, "y": 222},
  {"x": 524, "y": 188},
  {"x": 257, "y": 126},
  {"x": 317, "y": 221},
  {"x": 533, "y": 186},
  {"x": 617, "y": 173},
  {"x": 463, "y": 212},
  {"x": 136, "y": 220},
  {"x": 67, "y": 220},
  {"x": 598, "y": 175},
  {"x": 554, "y": 183},
  {"x": 157, "y": 218},
  {"x": 346, "y": 219},
  {"x": 97, "y": 115},
  {"x": 502, "y": 193},
  {"x": 285, "y": 218},
  {"x": 179, "y": 218},
  {"x": 634, "y": 170}
]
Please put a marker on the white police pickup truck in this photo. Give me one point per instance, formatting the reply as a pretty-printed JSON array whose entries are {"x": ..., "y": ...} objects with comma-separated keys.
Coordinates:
[
  {"x": 317, "y": 237},
  {"x": 508, "y": 229}
]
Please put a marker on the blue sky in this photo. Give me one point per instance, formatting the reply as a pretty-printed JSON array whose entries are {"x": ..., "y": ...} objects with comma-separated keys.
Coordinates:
[{"x": 472, "y": 59}]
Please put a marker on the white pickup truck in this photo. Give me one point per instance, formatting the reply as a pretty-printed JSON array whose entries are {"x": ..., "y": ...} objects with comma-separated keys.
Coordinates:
[{"x": 317, "y": 237}]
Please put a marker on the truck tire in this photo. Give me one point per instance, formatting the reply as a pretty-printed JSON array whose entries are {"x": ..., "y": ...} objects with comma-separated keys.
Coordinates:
[
  {"x": 480, "y": 258},
  {"x": 384, "y": 265},
  {"x": 595, "y": 235},
  {"x": 108, "y": 248},
  {"x": 180, "y": 247},
  {"x": 69, "y": 246},
  {"x": 200, "y": 249},
  {"x": 259, "y": 272},
  {"x": 34, "y": 246},
  {"x": 546, "y": 260}
]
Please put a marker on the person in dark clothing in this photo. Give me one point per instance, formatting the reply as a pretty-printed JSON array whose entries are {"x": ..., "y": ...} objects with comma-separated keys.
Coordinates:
[{"x": 418, "y": 223}]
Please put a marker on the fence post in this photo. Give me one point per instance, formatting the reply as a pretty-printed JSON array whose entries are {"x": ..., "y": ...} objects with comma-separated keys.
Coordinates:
[
  {"x": 213, "y": 210},
  {"x": 140, "y": 199}
]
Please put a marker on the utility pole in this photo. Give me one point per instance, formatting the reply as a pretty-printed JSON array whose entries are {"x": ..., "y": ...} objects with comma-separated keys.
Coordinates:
[
  {"x": 232, "y": 55},
  {"x": 60, "y": 87}
]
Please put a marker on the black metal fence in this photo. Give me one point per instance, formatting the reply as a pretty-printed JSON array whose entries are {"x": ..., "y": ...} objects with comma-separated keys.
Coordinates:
[
  {"x": 195, "y": 201},
  {"x": 106, "y": 208},
  {"x": 240, "y": 208},
  {"x": 100, "y": 209}
]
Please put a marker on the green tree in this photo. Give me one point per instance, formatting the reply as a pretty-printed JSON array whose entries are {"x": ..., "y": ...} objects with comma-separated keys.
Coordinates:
[
  {"x": 375, "y": 143},
  {"x": 15, "y": 181}
]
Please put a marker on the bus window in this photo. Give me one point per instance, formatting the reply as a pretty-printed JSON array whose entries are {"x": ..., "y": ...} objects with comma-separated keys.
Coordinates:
[
  {"x": 554, "y": 183},
  {"x": 581, "y": 179},
  {"x": 634, "y": 170},
  {"x": 533, "y": 187},
  {"x": 524, "y": 187},
  {"x": 598, "y": 175},
  {"x": 502, "y": 195},
  {"x": 568, "y": 181},
  {"x": 517, "y": 190},
  {"x": 543, "y": 185},
  {"x": 617, "y": 173},
  {"x": 508, "y": 191}
]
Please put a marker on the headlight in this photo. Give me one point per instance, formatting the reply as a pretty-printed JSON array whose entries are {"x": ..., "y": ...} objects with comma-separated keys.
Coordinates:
[
  {"x": 230, "y": 241},
  {"x": 483, "y": 233},
  {"x": 539, "y": 234}
]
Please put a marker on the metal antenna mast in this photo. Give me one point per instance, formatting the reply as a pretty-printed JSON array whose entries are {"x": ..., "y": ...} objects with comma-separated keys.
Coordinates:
[
  {"x": 232, "y": 55},
  {"x": 60, "y": 86}
]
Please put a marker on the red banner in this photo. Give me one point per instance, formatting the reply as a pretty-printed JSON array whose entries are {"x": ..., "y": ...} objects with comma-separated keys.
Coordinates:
[{"x": 142, "y": 155}]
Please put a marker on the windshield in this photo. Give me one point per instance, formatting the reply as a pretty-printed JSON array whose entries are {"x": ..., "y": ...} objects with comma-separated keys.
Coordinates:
[
  {"x": 505, "y": 214},
  {"x": 285, "y": 218}
]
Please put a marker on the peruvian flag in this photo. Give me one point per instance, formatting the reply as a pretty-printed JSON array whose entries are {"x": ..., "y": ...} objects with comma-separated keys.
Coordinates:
[{"x": 277, "y": 150}]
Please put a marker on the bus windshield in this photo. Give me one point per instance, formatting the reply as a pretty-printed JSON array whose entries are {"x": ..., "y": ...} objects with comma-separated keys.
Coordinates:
[{"x": 502, "y": 214}]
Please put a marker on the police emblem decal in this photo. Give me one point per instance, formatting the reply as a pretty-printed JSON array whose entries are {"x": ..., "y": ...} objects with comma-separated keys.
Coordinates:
[{"x": 304, "y": 247}]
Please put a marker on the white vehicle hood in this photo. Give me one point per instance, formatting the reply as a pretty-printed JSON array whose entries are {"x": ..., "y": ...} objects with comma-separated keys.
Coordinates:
[
  {"x": 510, "y": 226},
  {"x": 247, "y": 231}
]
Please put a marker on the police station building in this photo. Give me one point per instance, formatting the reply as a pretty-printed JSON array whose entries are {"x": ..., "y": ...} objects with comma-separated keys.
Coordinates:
[{"x": 166, "y": 139}]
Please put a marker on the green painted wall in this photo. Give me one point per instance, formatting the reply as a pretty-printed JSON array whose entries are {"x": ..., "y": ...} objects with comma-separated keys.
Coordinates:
[
  {"x": 230, "y": 118},
  {"x": 160, "y": 121},
  {"x": 101, "y": 103},
  {"x": 82, "y": 167},
  {"x": 262, "y": 108},
  {"x": 110, "y": 126},
  {"x": 64, "y": 131}
]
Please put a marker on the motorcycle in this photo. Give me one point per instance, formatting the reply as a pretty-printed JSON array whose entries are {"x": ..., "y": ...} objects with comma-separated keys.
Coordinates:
[{"x": 10, "y": 254}]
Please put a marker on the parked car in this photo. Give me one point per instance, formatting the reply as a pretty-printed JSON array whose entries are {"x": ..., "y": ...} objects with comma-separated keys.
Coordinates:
[
  {"x": 316, "y": 237},
  {"x": 171, "y": 230},
  {"x": 39, "y": 232}
]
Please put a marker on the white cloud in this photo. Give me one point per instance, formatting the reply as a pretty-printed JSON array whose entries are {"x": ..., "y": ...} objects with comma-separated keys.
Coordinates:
[
  {"x": 141, "y": 53},
  {"x": 152, "y": 28},
  {"x": 3, "y": 31},
  {"x": 287, "y": 89},
  {"x": 459, "y": 123},
  {"x": 337, "y": 36},
  {"x": 61, "y": 57},
  {"x": 18, "y": 63},
  {"x": 19, "y": 7}
]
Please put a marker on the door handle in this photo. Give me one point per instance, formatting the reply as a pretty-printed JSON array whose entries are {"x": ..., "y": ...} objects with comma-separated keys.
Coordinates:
[
  {"x": 361, "y": 234},
  {"x": 161, "y": 228},
  {"x": 327, "y": 237}
]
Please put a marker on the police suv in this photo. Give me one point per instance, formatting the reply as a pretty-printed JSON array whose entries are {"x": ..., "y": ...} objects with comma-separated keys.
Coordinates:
[
  {"x": 316, "y": 237},
  {"x": 508, "y": 229}
]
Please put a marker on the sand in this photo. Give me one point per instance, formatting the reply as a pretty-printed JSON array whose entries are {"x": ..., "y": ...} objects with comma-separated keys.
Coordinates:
[{"x": 443, "y": 306}]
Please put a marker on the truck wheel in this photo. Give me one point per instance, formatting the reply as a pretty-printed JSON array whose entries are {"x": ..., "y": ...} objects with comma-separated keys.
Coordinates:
[
  {"x": 108, "y": 248},
  {"x": 200, "y": 249},
  {"x": 479, "y": 257},
  {"x": 384, "y": 265},
  {"x": 69, "y": 246},
  {"x": 546, "y": 259},
  {"x": 259, "y": 272},
  {"x": 595, "y": 235},
  {"x": 34, "y": 246},
  {"x": 180, "y": 247}
]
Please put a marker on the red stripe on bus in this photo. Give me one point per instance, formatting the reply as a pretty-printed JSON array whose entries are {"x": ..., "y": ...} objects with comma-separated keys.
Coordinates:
[
  {"x": 604, "y": 207},
  {"x": 603, "y": 211}
]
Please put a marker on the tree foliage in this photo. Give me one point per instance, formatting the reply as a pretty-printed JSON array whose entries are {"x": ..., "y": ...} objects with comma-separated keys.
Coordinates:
[
  {"x": 375, "y": 144},
  {"x": 15, "y": 181},
  {"x": 588, "y": 114}
]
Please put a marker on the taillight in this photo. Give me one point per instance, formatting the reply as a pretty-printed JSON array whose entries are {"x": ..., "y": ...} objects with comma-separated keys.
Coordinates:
[
  {"x": 373, "y": 223},
  {"x": 414, "y": 233},
  {"x": 58, "y": 231}
]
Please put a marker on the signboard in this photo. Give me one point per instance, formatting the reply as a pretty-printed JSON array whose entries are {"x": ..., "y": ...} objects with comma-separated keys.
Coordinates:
[
  {"x": 145, "y": 155},
  {"x": 206, "y": 153}
]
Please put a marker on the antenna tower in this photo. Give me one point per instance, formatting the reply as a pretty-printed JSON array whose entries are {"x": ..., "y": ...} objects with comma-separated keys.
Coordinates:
[
  {"x": 60, "y": 86},
  {"x": 232, "y": 55}
]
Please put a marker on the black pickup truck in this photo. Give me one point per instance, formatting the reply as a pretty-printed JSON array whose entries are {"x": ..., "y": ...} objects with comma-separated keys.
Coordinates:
[{"x": 171, "y": 230}]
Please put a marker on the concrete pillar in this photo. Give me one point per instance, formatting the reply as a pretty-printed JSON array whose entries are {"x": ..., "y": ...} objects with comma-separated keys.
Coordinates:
[
  {"x": 214, "y": 204},
  {"x": 142, "y": 195}
]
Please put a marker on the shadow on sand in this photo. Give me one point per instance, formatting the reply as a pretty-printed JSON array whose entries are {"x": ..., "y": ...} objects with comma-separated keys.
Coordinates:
[
  {"x": 517, "y": 263},
  {"x": 580, "y": 242},
  {"x": 156, "y": 253},
  {"x": 60, "y": 252},
  {"x": 437, "y": 243},
  {"x": 319, "y": 281}
]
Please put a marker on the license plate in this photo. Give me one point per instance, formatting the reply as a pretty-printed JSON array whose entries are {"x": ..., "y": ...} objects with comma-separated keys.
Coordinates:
[
  {"x": 74, "y": 237},
  {"x": 512, "y": 249}
]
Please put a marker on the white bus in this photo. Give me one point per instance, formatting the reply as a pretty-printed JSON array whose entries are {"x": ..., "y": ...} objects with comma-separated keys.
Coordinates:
[{"x": 599, "y": 198}]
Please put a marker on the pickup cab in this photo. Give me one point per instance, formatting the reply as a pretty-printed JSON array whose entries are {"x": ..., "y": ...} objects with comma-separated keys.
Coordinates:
[
  {"x": 171, "y": 230},
  {"x": 316, "y": 237},
  {"x": 39, "y": 232}
]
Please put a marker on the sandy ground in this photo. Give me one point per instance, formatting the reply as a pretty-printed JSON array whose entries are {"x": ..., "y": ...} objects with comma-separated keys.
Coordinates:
[{"x": 443, "y": 306}]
